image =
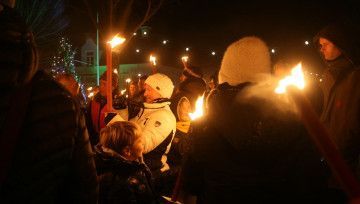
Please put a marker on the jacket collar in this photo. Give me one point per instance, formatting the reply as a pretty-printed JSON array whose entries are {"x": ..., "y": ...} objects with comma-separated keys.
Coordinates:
[
  {"x": 338, "y": 67},
  {"x": 156, "y": 105}
]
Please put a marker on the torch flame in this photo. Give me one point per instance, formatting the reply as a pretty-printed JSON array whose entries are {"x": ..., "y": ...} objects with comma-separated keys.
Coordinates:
[
  {"x": 152, "y": 59},
  {"x": 123, "y": 91},
  {"x": 185, "y": 58},
  {"x": 117, "y": 40},
  {"x": 296, "y": 78},
  {"x": 199, "y": 110}
]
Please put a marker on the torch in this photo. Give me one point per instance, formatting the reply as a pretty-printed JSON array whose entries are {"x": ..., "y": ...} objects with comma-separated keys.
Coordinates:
[
  {"x": 152, "y": 60},
  {"x": 184, "y": 60},
  {"x": 318, "y": 133},
  {"x": 109, "y": 46}
]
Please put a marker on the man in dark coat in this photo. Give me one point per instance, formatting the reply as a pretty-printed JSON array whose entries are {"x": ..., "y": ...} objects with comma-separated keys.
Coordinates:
[
  {"x": 191, "y": 87},
  {"x": 340, "y": 49},
  {"x": 250, "y": 146},
  {"x": 50, "y": 158}
]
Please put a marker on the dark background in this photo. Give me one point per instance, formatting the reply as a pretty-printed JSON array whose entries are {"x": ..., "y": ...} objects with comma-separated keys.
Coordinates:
[{"x": 205, "y": 25}]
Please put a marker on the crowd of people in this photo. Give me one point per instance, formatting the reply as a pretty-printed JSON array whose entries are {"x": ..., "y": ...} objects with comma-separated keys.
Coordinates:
[{"x": 250, "y": 146}]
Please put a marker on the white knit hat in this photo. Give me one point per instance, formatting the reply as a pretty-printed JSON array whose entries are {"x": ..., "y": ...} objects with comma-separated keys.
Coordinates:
[
  {"x": 244, "y": 60},
  {"x": 161, "y": 83}
]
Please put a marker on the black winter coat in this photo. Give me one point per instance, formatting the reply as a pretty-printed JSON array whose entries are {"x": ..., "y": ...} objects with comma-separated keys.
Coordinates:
[
  {"x": 247, "y": 150},
  {"x": 123, "y": 181}
]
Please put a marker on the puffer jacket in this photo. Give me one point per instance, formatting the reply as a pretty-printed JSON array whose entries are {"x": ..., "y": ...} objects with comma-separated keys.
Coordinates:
[
  {"x": 52, "y": 160},
  {"x": 248, "y": 150},
  {"x": 123, "y": 181},
  {"x": 158, "y": 124}
]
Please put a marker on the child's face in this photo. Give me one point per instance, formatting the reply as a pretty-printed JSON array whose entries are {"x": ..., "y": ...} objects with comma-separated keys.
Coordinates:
[{"x": 137, "y": 148}]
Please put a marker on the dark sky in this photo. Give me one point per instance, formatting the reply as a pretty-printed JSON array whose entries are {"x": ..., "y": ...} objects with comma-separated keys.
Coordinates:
[{"x": 205, "y": 25}]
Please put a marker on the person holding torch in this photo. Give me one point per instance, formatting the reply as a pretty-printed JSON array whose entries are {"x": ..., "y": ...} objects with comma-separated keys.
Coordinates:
[
  {"x": 339, "y": 47},
  {"x": 250, "y": 146}
]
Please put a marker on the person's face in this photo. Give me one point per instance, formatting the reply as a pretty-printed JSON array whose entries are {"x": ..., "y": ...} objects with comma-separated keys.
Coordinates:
[
  {"x": 102, "y": 88},
  {"x": 211, "y": 84},
  {"x": 182, "y": 78},
  {"x": 328, "y": 49},
  {"x": 150, "y": 94},
  {"x": 132, "y": 89},
  {"x": 137, "y": 149}
]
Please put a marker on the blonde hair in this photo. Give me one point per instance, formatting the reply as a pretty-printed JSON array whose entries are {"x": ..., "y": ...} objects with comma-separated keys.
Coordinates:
[{"x": 119, "y": 135}]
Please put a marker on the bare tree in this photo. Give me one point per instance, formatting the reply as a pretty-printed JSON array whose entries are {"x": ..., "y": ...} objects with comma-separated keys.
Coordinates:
[
  {"x": 117, "y": 16},
  {"x": 45, "y": 17}
]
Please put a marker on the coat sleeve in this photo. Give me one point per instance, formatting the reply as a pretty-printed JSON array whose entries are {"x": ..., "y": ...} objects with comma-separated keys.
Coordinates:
[
  {"x": 156, "y": 128},
  {"x": 84, "y": 166}
]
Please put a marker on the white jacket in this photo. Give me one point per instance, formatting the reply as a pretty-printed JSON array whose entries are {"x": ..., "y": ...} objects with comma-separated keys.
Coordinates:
[{"x": 157, "y": 122}]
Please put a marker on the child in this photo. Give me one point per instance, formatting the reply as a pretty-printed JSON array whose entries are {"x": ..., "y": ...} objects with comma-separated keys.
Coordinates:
[{"x": 123, "y": 176}]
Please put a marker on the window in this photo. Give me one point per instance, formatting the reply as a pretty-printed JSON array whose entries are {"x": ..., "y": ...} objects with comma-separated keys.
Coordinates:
[{"x": 90, "y": 58}]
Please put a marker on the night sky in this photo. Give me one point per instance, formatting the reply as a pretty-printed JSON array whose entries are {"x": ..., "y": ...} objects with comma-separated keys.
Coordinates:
[{"x": 206, "y": 25}]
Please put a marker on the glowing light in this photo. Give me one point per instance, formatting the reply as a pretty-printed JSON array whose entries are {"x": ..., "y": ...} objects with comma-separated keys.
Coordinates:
[
  {"x": 91, "y": 95},
  {"x": 185, "y": 58},
  {"x": 296, "y": 78},
  {"x": 199, "y": 110},
  {"x": 213, "y": 53},
  {"x": 145, "y": 33},
  {"x": 273, "y": 50},
  {"x": 152, "y": 60},
  {"x": 139, "y": 75},
  {"x": 134, "y": 33},
  {"x": 164, "y": 42},
  {"x": 123, "y": 91},
  {"x": 137, "y": 50},
  {"x": 90, "y": 88},
  {"x": 128, "y": 80},
  {"x": 187, "y": 49},
  {"x": 115, "y": 71},
  {"x": 306, "y": 42},
  {"x": 117, "y": 40}
]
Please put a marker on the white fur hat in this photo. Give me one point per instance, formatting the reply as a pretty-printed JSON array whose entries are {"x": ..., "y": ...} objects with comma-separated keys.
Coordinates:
[
  {"x": 161, "y": 83},
  {"x": 244, "y": 60}
]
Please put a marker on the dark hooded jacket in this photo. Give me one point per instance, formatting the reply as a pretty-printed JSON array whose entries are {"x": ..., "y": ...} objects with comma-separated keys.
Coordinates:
[
  {"x": 52, "y": 160},
  {"x": 251, "y": 149},
  {"x": 248, "y": 150},
  {"x": 341, "y": 87},
  {"x": 123, "y": 181}
]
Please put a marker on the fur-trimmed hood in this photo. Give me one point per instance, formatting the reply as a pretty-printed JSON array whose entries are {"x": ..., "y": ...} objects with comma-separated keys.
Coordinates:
[{"x": 245, "y": 60}]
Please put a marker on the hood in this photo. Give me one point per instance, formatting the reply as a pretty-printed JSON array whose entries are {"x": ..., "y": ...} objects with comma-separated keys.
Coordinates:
[
  {"x": 110, "y": 160},
  {"x": 346, "y": 38},
  {"x": 245, "y": 60},
  {"x": 18, "y": 56}
]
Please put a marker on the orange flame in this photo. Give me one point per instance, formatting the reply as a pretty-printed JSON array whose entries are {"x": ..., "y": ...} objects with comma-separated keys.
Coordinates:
[
  {"x": 296, "y": 78},
  {"x": 117, "y": 40},
  {"x": 199, "y": 109},
  {"x": 152, "y": 59}
]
